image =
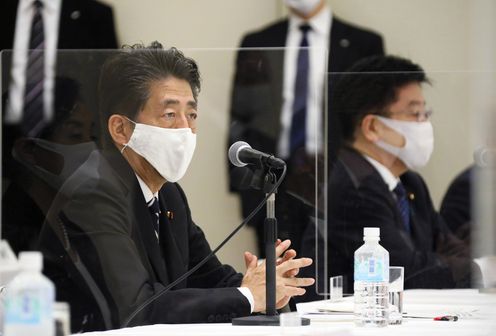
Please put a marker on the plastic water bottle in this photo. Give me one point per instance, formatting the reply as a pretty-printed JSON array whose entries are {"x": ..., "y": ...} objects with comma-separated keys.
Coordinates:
[
  {"x": 29, "y": 300},
  {"x": 371, "y": 281}
]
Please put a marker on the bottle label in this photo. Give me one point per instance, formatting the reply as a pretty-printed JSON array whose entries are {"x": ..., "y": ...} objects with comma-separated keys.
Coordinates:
[
  {"x": 370, "y": 269},
  {"x": 25, "y": 309}
]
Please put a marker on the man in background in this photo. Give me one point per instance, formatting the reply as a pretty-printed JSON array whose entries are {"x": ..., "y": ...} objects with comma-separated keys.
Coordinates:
[
  {"x": 278, "y": 102},
  {"x": 456, "y": 206},
  {"x": 387, "y": 136},
  {"x": 35, "y": 30},
  {"x": 41, "y": 165}
]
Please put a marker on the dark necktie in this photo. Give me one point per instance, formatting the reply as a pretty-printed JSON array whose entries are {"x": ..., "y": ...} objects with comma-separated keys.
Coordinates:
[
  {"x": 33, "y": 96},
  {"x": 403, "y": 205},
  {"x": 298, "y": 121},
  {"x": 154, "y": 209}
]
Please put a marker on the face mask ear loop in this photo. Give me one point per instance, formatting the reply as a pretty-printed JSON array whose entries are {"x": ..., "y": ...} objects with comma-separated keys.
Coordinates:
[
  {"x": 125, "y": 145},
  {"x": 122, "y": 149}
]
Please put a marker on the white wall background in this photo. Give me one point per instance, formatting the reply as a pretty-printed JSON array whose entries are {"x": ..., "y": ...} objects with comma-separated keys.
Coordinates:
[{"x": 449, "y": 38}]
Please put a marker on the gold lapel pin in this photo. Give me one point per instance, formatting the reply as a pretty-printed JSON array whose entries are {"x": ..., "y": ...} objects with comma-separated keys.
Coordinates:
[
  {"x": 411, "y": 196},
  {"x": 170, "y": 215}
]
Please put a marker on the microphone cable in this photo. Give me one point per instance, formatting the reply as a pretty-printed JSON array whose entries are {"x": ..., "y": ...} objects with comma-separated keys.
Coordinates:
[{"x": 210, "y": 255}]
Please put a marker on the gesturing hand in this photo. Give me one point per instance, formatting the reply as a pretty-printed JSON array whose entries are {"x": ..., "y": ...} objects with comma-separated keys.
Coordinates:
[{"x": 287, "y": 285}]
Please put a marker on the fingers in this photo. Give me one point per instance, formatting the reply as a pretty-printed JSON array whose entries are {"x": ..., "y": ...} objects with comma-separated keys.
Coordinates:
[
  {"x": 291, "y": 273},
  {"x": 284, "y": 301},
  {"x": 294, "y": 291},
  {"x": 298, "y": 282},
  {"x": 293, "y": 264},
  {"x": 288, "y": 255},
  {"x": 283, "y": 246},
  {"x": 250, "y": 260}
]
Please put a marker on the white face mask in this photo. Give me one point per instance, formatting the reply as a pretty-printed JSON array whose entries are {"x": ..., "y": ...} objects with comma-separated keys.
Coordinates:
[
  {"x": 303, "y": 6},
  {"x": 419, "y": 141},
  {"x": 168, "y": 150}
]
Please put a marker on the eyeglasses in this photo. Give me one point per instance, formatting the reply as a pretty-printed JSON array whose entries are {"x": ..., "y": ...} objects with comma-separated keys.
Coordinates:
[{"x": 416, "y": 115}]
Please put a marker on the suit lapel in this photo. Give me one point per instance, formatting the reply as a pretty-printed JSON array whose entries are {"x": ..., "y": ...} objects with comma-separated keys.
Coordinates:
[
  {"x": 418, "y": 230},
  {"x": 361, "y": 172},
  {"x": 337, "y": 53},
  {"x": 168, "y": 244},
  {"x": 143, "y": 222},
  {"x": 143, "y": 233},
  {"x": 275, "y": 60}
]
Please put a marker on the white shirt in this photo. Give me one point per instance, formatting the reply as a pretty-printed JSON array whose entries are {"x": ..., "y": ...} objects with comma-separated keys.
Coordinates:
[
  {"x": 51, "y": 15},
  {"x": 388, "y": 177},
  {"x": 147, "y": 193},
  {"x": 318, "y": 42}
]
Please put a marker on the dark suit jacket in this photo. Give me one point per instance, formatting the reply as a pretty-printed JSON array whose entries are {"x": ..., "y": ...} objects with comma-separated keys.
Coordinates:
[
  {"x": 358, "y": 198},
  {"x": 84, "y": 24},
  {"x": 456, "y": 207},
  {"x": 101, "y": 219},
  {"x": 256, "y": 105},
  {"x": 257, "y": 91}
]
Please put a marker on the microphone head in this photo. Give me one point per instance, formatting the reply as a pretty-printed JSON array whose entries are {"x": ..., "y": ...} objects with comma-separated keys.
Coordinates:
[
  {"x": 485, "y": 156},
  {"x": 233, "y": 153}
]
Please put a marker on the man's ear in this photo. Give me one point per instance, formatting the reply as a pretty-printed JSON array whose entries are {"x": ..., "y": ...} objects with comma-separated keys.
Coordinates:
[
  {"x": 120, "y": 129},
  {"x": 371, "y": 128}
]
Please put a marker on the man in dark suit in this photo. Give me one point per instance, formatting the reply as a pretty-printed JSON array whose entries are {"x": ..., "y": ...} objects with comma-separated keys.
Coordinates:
[
  {"x": 65, "y": 24},
  {"x": 266, "y": 88},
  {"x": 83, "y": 24},
  {"x": 387, "y": 136},
  {"x": 120, "y": 230},
  {"x": 456, "y": 207}
]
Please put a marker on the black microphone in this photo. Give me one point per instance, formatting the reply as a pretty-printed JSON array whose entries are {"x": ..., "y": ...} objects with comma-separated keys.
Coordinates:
[{"x": 241, "y": 154}]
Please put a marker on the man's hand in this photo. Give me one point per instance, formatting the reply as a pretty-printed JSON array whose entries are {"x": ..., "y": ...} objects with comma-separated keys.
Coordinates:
[{"x": 287, "y": 285}]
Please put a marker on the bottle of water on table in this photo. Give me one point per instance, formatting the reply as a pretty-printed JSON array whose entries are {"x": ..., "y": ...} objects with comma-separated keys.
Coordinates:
[
  {"x": 29, "y": 300},
  {"x": 371, "y": 281}
]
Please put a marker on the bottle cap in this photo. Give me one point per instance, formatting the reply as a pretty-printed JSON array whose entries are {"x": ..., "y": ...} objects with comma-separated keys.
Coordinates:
[
  {"x": 31, "y": 260},
  {"x": 371, "y": 232}
]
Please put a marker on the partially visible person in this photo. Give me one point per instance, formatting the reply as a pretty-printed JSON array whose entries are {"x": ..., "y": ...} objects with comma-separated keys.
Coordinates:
[
  {"x": 388, "y": 135},
  {"x": 33, "y": 32},
  {"x": 121, "y": 230},
  {"x": 456, "y": 206},
  {"x": 41, "y": 165},
  {"x": 278, "y": 102}
]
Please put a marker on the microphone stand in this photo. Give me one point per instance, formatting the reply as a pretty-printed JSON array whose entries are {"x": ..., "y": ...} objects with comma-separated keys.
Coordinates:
[{"x": 265, "y": 180}]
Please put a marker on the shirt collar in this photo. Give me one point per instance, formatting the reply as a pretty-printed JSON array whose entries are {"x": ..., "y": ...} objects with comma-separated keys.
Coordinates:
[
  {"x": 48, "y": 4},
  {"x": 385, "y": 173},
  {"x": 147, "y": 193},
  {"x": 52, "y": 4},
  {"x": 320, "y": 23}
]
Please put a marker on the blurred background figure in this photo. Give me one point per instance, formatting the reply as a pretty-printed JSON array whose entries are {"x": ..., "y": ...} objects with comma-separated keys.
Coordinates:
[
  {"x": 43, "y": 115},
  {"x": 456, "y": 207},
  {"x": 35, "y": 30},
  {"x": 39, "y": 166},
  {"x": 278, "y": 96}
]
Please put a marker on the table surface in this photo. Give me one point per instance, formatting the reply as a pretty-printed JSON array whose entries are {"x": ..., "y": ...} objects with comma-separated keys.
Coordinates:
[{"x": 476, "y": 311}]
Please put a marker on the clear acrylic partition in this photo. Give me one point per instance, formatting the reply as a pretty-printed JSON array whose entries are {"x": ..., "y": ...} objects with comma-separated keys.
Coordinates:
[
  {"x": 464, "y": 109},
  {"x": 49, "y": 180}
]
